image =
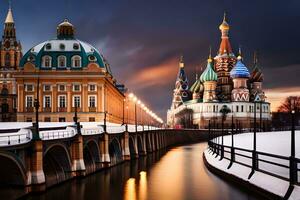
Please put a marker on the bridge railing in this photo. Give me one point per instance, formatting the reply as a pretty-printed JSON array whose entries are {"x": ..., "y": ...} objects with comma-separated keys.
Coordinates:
[
  {"x": 92, "y": 131},
  {"x": 20, "y": 137},
  {"x": 58, "y": 134}
]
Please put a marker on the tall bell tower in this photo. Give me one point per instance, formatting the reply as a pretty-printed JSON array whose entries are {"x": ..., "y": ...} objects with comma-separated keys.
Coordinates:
[{"x": 10, "y": 55}]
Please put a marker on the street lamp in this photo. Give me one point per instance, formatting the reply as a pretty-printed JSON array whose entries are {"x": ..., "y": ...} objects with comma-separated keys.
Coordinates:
[{"x": 293, "y": 163}]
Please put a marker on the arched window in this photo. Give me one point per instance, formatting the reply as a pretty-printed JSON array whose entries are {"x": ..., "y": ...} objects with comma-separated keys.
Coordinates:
[
  {"x": 61, "y": 61},
  {"x": 46, "y": 61},
  {"x": 7, "y": 60},
  {"x": 76, "y": 61}
]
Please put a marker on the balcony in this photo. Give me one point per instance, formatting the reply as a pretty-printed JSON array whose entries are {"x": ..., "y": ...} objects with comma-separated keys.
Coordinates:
[
  {"x": 29, "y": 109},
  {"x": 92, "y": 109},
  {"x": 62, "y": 109},
  {"x": 78, "y": 109},
  {"x": 47, "y": 109}
]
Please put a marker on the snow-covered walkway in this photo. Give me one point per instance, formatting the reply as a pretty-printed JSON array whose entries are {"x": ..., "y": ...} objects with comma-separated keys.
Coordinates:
[{"x": 277, "y": 143}]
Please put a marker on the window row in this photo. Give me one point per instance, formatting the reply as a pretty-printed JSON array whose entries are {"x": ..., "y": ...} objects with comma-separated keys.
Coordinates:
[
  {"x": 61, "y": 101},
  {"x": 76, "y": 87},
  {"x": 61, "y": 61}
]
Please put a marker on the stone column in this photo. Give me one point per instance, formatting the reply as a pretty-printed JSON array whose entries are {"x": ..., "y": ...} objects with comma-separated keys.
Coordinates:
[
  {"x": 126, "y": 151},
  {"x": 36, "y": 166},
  {"x": 84, "y": 98},
  {"x": 105, "y": 158},
  {"x": 20, "y": 97},
  {"x": 69, "y": 97},
  {"x": 78, "y": 167}
]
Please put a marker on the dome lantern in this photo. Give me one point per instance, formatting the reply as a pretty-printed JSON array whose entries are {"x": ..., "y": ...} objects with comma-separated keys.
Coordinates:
[{"x": 65, "y": 30}]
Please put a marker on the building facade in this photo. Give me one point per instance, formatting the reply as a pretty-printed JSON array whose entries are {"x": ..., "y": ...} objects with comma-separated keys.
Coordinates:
[{"x": 226, "y": 90}]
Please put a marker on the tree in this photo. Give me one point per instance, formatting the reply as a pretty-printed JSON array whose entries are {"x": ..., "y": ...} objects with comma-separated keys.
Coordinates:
[
  {"x": 224, "y": 110},
  {"x": 289, "y": 104}
]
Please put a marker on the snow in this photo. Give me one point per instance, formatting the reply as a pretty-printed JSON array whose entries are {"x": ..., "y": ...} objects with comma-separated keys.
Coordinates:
[{"x": 269, "y": 142}]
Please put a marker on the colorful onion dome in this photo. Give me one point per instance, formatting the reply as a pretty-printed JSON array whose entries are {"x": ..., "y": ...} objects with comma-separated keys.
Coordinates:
[
  {"x": 209, "y": 74},
  {"x": 239, "y": 70},
  {"x": 224, "y": 25},
  {"x": 197, "y": 86}
]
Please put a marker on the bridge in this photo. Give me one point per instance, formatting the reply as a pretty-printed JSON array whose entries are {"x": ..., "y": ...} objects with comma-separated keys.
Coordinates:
[{"x": 36, "y": 160}]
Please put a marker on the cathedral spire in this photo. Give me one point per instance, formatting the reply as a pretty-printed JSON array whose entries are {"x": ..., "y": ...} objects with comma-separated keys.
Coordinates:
[
  {"x": 181, "y": 62},
  {"x": 9, "y": 17},
  {"x": 225, "y": 47}
]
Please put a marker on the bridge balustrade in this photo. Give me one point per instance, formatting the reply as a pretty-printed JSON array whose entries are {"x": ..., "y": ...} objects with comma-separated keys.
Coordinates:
[
  {"x": 21, "y": 137},
  {"x": 92, "y": 131},
  {"x": 58, "y": 134}
]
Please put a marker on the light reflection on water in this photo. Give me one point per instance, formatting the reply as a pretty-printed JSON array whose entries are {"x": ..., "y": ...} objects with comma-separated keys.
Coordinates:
[{"x": 175, "y": 175}]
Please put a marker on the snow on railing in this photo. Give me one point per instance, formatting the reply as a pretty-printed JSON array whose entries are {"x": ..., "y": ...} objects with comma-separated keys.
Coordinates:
[
  {"x": 58, "y": 134},
  {"x": 92, "y": 131},
  {"x": 21, "y": 137}
]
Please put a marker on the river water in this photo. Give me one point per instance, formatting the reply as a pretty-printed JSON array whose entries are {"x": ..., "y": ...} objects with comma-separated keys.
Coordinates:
[{"x": 177, "y": 174}]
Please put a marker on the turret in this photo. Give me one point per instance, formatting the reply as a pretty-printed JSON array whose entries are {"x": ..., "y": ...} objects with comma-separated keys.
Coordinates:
[
  {"x": 224, "y": 62},
  {"x": 256, "y": 80},
  {"x": 209, "y": 79},
  {"x": 240, "y": 75},
  {"x": 181, "y": 92},
  {"x": 197, "y": 89}
]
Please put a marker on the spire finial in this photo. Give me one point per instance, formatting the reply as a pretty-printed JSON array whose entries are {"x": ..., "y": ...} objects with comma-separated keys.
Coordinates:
[
  {"x": 196, "y": 76},
  {"x": 224, "y": 16},
  {"x": 209, "y": 56},
  {"x": 9, "y": 17},
  {"x": 181, "y": 61},
  {"x": 240, "y": 53},
  {"x": 9, "y": 4},
  {"x": 255, "y": 57}
]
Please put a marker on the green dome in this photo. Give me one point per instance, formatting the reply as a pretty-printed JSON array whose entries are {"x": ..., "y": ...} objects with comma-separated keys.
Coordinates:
[
  {"x": 209, "y": 74},
  {"x": 67, "y": 48}
]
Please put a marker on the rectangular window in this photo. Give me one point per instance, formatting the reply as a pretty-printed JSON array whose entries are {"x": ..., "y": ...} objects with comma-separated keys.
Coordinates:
[
  {"x": 92, "y": 101},
  {"x": 29, "y": 88},
  {"x": 29, "y": 101},
  {"x": 47, "y": 101},
  {"x": 61, "y": 88},
  {"x": 92, "y": 87},
  {"x": 92, "y": 119},
  {"x": 62, "y": 119},
  {"x": 28, "y": 119},
  {"x": 76, "y": 88},
  {"x": 62, "y": 101},
  {"x": 242, "y": 108},
  {"x": 47, "y": 88},
  {"x": 237, "y": 108},
  {"x": 76, "y": 101},
  {"x": 47, "y": 119}
]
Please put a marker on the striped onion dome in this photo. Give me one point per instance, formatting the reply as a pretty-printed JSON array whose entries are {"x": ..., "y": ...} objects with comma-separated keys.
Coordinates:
[
  {"x": 197, "y": 87},
  {"x": 256, "y": 74},
  {"x": 239, "y": 70},
  {"x": 209, "y": 74}
]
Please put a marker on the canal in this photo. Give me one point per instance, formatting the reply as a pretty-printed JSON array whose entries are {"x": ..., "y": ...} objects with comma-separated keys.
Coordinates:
[{"x": 173, "y": 175}]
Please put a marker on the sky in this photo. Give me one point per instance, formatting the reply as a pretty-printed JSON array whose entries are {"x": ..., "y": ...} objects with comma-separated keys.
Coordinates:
[{"x": 143, "y": 39}]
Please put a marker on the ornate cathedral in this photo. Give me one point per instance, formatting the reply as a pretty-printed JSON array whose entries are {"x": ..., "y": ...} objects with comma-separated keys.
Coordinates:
[{"x": 225, "y": 84}]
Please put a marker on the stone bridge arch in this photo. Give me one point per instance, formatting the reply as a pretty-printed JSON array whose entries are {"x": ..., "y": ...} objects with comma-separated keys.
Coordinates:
[
  {"x": 140, "y": 145},
  {"x": 115, "y": 151},
  {"x": 56, "y": 164},
  {"x": 91, "y": 156},
  {"x": 12, "y": 170}
]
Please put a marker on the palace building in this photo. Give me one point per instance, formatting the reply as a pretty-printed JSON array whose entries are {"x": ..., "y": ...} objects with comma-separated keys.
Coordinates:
[
  {"x": 226, "y": 90},
  {"x": 63, "y": 75}
]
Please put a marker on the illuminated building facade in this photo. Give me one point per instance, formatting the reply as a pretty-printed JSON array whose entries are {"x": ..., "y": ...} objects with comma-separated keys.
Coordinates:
[{"x": 225, "y": 84}]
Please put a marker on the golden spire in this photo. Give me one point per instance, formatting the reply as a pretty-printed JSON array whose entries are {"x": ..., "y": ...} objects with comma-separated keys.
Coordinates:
[
  {"x": 9, "y": 17},
  {"x": 224, "y": 25},
  {"x": 181, "y": 62},
  {"x": 209, "y": 56},
  {"x": 240, "y": 53}
]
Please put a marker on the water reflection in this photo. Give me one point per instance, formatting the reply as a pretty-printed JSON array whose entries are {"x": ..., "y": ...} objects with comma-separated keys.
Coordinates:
[{"x": 176, "y": 175}]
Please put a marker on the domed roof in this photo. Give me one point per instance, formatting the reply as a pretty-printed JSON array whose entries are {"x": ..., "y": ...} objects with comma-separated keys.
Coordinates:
[
  {"x": 224, "y": 25},
  {"x": 197, "y": 86},
  {"x": 64, "y": 45},
  {"x": 209, "y": 74},
  {"x": 239, "y": 70}
]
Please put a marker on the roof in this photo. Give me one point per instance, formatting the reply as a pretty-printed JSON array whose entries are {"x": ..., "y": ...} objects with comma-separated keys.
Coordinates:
[
  {"x": 239, "y": 70},
  {"x": 209, "y": 74},
  {"x": 9, "y": 17}
]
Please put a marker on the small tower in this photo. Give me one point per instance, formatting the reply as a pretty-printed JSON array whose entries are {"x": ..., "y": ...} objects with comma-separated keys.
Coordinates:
[
  {"x": 240, "y": 76},
  {"x": 256, "y": 79},
  {"x": 224, "y": 62},
  {"x": 11, "y": 50},
  {"x": 181, "y": 92},
  {"x": 209, "y": 79}
]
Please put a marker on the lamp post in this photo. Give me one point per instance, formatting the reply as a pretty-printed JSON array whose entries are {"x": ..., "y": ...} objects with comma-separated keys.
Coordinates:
[
  {"x": 37, "y": 106},
  {"x": 293, "y": 163}
]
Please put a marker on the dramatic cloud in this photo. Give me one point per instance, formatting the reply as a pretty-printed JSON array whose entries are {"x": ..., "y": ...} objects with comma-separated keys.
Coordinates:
[{"x": 143, "y": 40}]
